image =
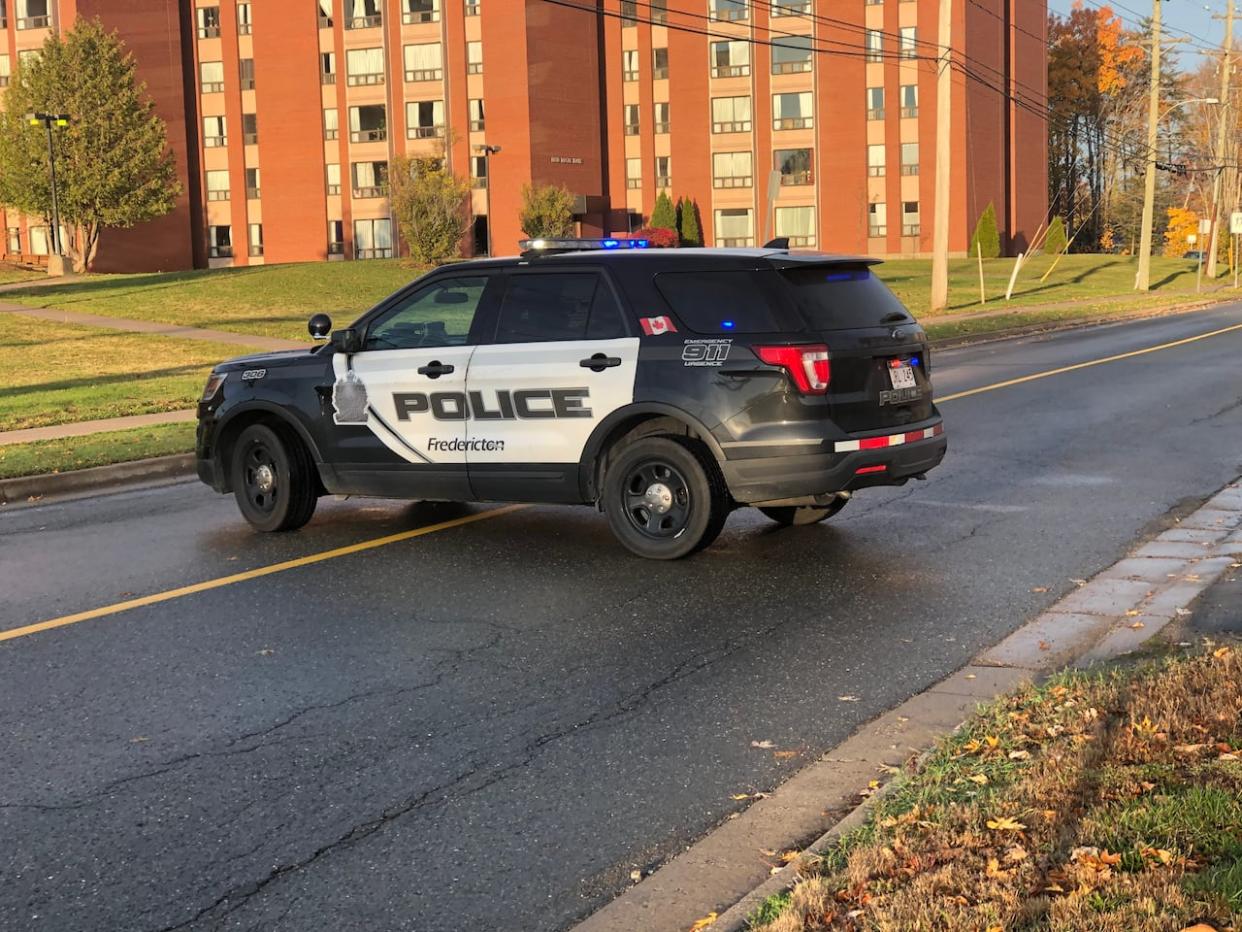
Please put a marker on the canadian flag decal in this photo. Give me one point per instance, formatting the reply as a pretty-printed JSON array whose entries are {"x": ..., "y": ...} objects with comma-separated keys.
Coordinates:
[{"x": 654, "y": 326}]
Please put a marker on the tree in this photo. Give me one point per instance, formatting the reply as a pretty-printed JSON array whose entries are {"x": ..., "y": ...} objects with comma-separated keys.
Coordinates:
[
  {"x": 1054, "y": 242},
  {"x": 986, "y": 237},
  {"x": 432, "y": 207},
  {"x": 113, "y": 164},
  {"x": 547, "y": 211},
  {"x": 656, "y": 237},
  {"x": 664, "y": 215},
  {"x": 689, "y": 229},
  {"x": 1182, "y": 225}
]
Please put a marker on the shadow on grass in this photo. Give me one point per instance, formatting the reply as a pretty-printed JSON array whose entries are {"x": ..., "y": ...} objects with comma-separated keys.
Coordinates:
[{"x": 95, "y": 381}]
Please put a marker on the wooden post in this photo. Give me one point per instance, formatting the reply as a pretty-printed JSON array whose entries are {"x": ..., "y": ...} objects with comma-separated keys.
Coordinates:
[
  {"x": 983, "y": 298},
  {"x": 1013, "y": 278}
]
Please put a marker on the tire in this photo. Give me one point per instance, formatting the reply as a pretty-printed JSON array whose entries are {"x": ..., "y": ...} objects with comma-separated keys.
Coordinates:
[
  {"x": 665, "y": 497},
  {"x": 798, "y": 515},
  {"x": 274, "y": 479}
]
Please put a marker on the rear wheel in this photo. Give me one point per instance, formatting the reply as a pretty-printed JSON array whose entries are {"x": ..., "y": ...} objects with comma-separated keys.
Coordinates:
[
  {"x": 665, "y": 498},
  {"x": 273, "y": 479},
  {"x": 796, "y": 515}
]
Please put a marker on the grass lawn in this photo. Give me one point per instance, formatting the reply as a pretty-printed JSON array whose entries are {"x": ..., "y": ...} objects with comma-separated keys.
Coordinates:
[
  {"x": 59, "y": 373},
  {"x": 118, "y": 446},
  {"x": 11, "y": 273},
  {"x": 1109, "y": 801},
  {"x": 271, "y": 300}
]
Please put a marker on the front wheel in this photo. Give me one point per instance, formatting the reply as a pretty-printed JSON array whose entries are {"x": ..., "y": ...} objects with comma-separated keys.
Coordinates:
[
  {"x": 797, "y": 515},
  {"x": 273, "y": 479},
  {"x": 665, "y": 498}
]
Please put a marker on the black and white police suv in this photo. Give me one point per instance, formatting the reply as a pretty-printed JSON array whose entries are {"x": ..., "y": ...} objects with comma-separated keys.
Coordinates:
[{"x": 666, "y": 387}]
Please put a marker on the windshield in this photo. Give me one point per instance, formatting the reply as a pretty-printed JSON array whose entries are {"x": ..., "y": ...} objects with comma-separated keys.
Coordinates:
[{"x": 843, "y": 297}]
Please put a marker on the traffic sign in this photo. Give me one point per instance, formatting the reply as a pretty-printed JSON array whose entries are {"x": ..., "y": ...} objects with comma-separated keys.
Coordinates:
[{"x": 1235, "y": 222}]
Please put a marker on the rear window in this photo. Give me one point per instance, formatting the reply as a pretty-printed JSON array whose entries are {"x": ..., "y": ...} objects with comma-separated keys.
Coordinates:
[
  {"x": 842, "y": 298},
  {"x": 724, "y": 302}
]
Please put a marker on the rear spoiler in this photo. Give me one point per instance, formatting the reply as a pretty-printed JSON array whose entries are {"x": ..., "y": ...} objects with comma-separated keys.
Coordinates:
[{"x": 802, "y": 260}]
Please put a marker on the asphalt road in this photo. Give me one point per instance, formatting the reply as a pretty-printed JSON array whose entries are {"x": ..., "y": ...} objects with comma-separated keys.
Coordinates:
[{"x": 489, "y": 726}]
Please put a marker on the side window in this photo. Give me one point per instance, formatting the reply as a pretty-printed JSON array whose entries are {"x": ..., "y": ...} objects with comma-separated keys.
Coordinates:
[
  {"x": 438, "y": 315},
  {"x": 558, "y": 306}
]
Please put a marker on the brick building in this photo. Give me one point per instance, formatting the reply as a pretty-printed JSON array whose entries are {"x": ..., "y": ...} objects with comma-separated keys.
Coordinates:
[{"x": 812, "y": 120}]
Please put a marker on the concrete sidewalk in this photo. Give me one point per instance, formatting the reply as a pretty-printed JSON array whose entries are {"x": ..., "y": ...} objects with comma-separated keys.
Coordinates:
[{"x": 83, "y": 428}]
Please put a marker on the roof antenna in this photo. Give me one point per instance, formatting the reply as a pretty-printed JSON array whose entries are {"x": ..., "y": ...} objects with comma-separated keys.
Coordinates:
[{"x": 781, "y": 242}]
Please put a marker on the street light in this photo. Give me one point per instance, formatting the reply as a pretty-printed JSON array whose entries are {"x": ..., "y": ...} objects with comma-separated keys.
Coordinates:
[
  {"x": 1142, "y": 277},
  {"x": 49, "y": 120},
  {"x": 488, "y": 152}
]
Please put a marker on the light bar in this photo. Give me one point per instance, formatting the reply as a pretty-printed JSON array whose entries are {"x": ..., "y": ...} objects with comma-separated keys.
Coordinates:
[{"x": 577, "y": 244}]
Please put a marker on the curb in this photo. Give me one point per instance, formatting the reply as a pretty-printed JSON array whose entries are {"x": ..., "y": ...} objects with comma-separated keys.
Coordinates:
[
  {"x": 96, "y": 478},
  {"x": 1111, "y": 615}
]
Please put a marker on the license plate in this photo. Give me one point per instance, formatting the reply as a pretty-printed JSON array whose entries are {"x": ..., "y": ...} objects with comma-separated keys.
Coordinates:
[{"x": 902, "y": 376}]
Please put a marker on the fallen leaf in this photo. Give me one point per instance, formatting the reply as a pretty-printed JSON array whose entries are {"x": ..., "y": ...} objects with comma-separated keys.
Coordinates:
[
  {"x": 1054, "y": 888},
  {"x": 1132, "y": 612},
  {"x": 1044, "y": 645},
  {"x": 765, "y": 745},
  {"x": 636, "y": 876},
  {"x": 1040, "y": 589},
  {"x": 979, "y": 778},
  {"x": 1188, "y": 748},
  {"x": 1137, "y": 625},
  {"x": 994, "y": 869},
  {"x": 1019, "y": 755},
  {"x": 788, "y": 856},
  {"x": 1220, "y": 652},
  {"x": 703, "y": 923},
  {"x": 1158, "y": 854},
  {"x": 738, "y": 797},
  {"x": 1016, "y": 853},
  {"x": 784, "y": 755},
  {"x": 1079, "y": 582},
  {"x": 849, "y": 698},
  {"x": 1228, "y": 755},
  {"x": 1183, "y": 611},
  {"x": 1005, "y": 824}
]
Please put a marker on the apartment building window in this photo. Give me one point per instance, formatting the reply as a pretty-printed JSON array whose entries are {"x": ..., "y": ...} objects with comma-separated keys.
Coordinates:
[
  {"x": 790, "y": 7},
  {"x": 476, "y": 115},
  {"x": 215, "y": 133},
  {"x": 875, "y": 2},
  {"x": 729, "y": 9},
  {"x": 631, "y": 120},
  {"x": 792, "y": 111},
  {"x": 791, "y": 54},
  {"x": 250, "y": 129},
  {"x": 472, "y": 7},
  {"x": 424, "y": 119},
  {"x": 794, "y": 166},
  {"x": 629, "y": 13},
  {"x": 875, "y": 45},
  {"x": 910, "y": 225},
  {"x": 220, "y": 242},
  {"x": 909, "y": 158},
  {"x": 256, "y": 239},
  {"x": 14, "y": 241},
  {"x": 208, "y": 20},
  {"x": 368, "y": 123},
  {"x": 662, "y": 109},
  {"x": 370, "y": 179},
  {"x": 39, "y": 241},
  {"x": 252, "y": 183},
  {"x": 218, "y": 185},
  {"x": 245, "y": 70},
  {"x": 373, "y": 239},
  {"x": 243, "y": 19},
  {"x": 211, "y": 76},
  {"x": 333, "y": 177},
  {"x": 424, "y": 62},
  {"x": 633, "y": 173},
  {"x": 6, "y": 69},
  {"x": 364, "y": 66},
  {"x": 659, "y": 64},
  {"x": 909, "y": 100},
  {"x": 421, "y": 11},
  {"x": 796, "y": 223},
  {"x": 629, "y": 65},
  {"x": 27, "y": 56},
  {"x": 363, "y": 14},
  {"x": 325, "y": 14},
  {"x": 474, "y": 58},
  {"x": 877, "y": 160},
  {"x": 730, "y": 59},
  {"x": 327, "y": 67},
  {"x": 331, "y": 124},
  {"x": 659, "y": 12},
  {"x": 877, "y": 219},
  {"x": 875, "y": 103},
  {"x": 478, "y": 171},
  {"x": 664, "y": 176},
  {"x": 735, "y": 227},
  {"x": 732, "y": 170},
  {"x": 730, "y": 114},
  {"x": 909, "y": 40},
  {"x": 336, "y": 237}
]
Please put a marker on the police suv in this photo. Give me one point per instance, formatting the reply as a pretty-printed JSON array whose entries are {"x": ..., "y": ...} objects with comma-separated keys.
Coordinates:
[{"x": 666, "y": 387}]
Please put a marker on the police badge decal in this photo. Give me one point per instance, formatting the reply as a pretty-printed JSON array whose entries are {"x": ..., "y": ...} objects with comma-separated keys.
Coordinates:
[{"x": 349, "y": 400}]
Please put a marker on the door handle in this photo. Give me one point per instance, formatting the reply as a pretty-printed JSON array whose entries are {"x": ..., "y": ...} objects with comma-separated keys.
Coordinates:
[
  {"x": 435, "y": 369},
  {"x": 599, "y": 362}
]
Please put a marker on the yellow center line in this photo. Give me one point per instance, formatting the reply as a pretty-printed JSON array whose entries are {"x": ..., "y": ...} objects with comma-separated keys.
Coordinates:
[
  {"x": 1085, "y": 365},
  {"x": 206, "y": 585}
]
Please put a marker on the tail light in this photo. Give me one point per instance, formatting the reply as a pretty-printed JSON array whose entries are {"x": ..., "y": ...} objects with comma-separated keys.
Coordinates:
[{"x": 806, "y": 364}]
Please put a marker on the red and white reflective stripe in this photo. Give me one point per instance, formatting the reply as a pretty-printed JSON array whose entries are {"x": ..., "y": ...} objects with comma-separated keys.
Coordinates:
[{"x": 891, "y": 440}]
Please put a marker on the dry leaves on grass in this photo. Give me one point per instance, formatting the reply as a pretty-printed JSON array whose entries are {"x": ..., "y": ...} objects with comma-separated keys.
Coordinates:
[{"x": 707, "y": 921}]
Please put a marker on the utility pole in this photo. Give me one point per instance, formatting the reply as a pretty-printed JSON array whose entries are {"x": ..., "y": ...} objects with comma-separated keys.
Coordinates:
[
  {"x": 48, "y": 120},
  {"x": 1142, "y": 281},
  {"x": 944, "y": 153},
  {"x": 1226, "y": 69},
  {"x": 488, "y": 152}
]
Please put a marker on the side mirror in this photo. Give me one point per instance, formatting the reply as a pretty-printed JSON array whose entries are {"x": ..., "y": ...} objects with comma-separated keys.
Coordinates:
[
  {"x": 347, "y": 340},
  {"x": 320, "y": 325}
]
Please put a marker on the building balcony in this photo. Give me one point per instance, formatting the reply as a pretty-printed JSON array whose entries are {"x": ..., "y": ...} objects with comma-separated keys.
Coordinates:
[
  {"x": 336, "y": 249},
  {"x": 364, "y": 22},
  {"x": 791, "y": 7},
  {"x": 362, "y": 80},
  {"x": 215, "y": 142},
  {"x": 204, "y": 32},
  {"x": 876, "y": 114},
  {"x": 730, "y": 14},
  {"x": 424, "y": 74},
  {"x": 909, "y": 112},
  {"x": 735, "y": 126},
  {"x": 220, "y": 252},
  {"x": 796, "y": 178},
  {"x": 876, "y": 171},
  {"x": 730, "y": 71},
  {"x": 327, "y": 77},
  {"x": 243, "y": 29},
  {"x": 218, "y": 195},
  {"x": 369, "y": 135},
  {"x": 379, "y": 190},
  {"x": 793, "y": 123},
  {"x": 629, "y": 76},
  {"x": 664, "y": 181},
  {"x": 250, "y": 139},
  {"x": 911, "y": 229},
  {"x": 791, "y": 67},
  {"x": 731, "y": 242},
  {"x": 252, "y": 194},
  {"x": 632, "y": 129},
  {"x": 247, "y": 84},
  {"x": 476, "y": 126},
  {"x": 662, "y": 127},
  {"x": 472, "y": 7},
  {"x": 325, "y": 22},
  {"x": 410, "y": 18},
  {"x": 424, "y": 132},
  {"x": 633, "y": 183},
  {"x": 478, "y": 183},
  {"x": 474, "y": 67},
  {"x": 331, "y": 134},
  {"x": 910, "y": 169},
  {"x": 734, "y": 181},
  {"x": 874, "y": 231},
  {"x": 334, "y": 189},
  {"x": 659, "y": 74},
  {"x": 378, "y": 252},
  {"x": 801, "y": 240},
  {"x": 213, "y": 87},
  {"x": 256, "y": 249}
]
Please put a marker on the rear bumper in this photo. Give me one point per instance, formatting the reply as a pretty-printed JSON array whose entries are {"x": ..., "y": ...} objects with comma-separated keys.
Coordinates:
[{"x": 773, "y": 478}]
